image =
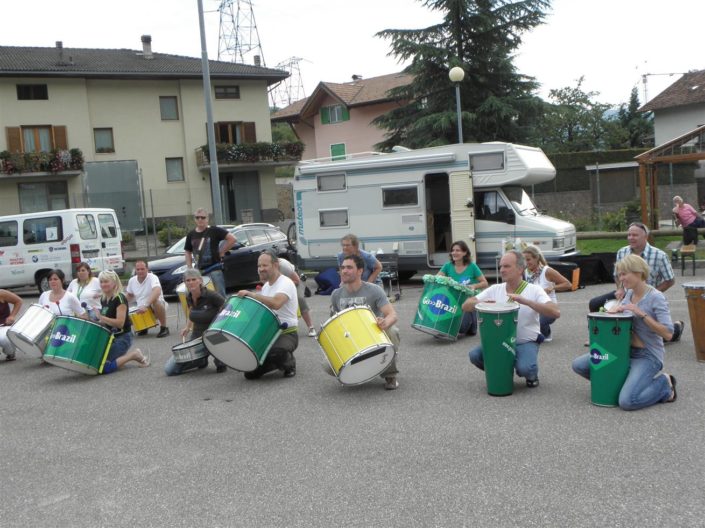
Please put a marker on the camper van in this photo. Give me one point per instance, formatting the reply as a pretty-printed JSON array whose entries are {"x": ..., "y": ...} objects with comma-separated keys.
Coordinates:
[
  {"x": 415, "y": 203},
  {"x": 33, "y": 244}
]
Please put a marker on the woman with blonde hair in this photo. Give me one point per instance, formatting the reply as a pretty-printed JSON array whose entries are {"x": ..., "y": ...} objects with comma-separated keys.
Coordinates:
[{"x": 645, "y": 384}]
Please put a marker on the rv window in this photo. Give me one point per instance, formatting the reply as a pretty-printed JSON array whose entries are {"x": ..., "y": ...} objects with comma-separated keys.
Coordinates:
[
  {"x": 86, "y": 226},
  {"x": 400, "y": 196},
  {"x": 331, "y": 182},
  {"x": 8, "y": 233},
  {"x": 41, "y": 230},
  {"x": 107, "y": 225},
  {"x": 491, "y": 206},
  {"x": 486, "y": 162},
  {"x": 521, "y": 201},
  {"x": 336, "y": 218}
]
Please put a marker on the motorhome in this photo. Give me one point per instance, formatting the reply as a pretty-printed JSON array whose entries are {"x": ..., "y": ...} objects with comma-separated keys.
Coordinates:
[{"x": 415, "y": 203}]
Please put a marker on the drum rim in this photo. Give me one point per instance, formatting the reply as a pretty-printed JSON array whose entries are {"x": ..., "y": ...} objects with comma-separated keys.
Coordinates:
[
  {"x": 78, "y": 319},
  {"x": 189, "y": 343},
  {"x": 608, "y": 315},
  {"x": 348, "y": 309},
  {"x": 700, "y": 285},
  {"x": 58, "y": 360},
  {"x": 257, "y": 360},
  {"x": 347, "y": 363},
  {"x": 250, "y": 299},
  {"x": 506, "y": 307}
]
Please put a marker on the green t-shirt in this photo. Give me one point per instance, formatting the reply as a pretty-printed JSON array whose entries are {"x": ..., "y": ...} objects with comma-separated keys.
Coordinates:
[{"x": 470, "y": 275}]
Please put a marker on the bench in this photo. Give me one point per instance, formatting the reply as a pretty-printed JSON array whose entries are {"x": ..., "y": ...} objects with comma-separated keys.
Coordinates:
[{"x": 679, "y": 252}]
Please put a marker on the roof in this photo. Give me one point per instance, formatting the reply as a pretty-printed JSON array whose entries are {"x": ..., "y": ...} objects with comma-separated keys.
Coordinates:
[
  {"x": 358, "y": 92},
  {"x": 19, "y": 61},
  {"x": 689, "y": 89}
]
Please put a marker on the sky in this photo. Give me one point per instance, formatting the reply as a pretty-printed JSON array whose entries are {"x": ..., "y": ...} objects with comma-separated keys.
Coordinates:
[{"x": 613, "y": 44}]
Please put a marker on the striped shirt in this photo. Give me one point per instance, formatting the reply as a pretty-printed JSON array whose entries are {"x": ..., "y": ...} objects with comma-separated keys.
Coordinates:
[{"x": 660, "y": 269}]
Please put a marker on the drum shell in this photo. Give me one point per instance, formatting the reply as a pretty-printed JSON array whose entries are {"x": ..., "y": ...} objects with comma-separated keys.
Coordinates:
[
  {"x": 242, "y": 333},
  {"x": 181, "y": 292},
  {"x": 439, "y": 312},
  {"x": 610, "y": 346},
  {"x": 78, "y": 345},
  {"x": 144, "y": 320},
  {"x": 695, "y": 295},
  {"x": 498, "y": 333},
  {"x": 31, "y": 331},
  {"x": 356, "y": 348},
  {"x": 189, "y": 351}
]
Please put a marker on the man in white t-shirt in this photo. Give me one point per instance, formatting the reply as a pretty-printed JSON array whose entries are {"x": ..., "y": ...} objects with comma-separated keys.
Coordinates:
[
  {"x": 533, "y": 302},
  {"x": 278, "y": 294},
  {"x": 146, "y": 291}
]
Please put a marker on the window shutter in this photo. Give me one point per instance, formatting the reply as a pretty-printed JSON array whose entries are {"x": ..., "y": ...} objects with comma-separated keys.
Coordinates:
[
  {"x": 60, "y": 138},
  {"x": 216, "y": 131},
  {"x": 346, "y": 113},
  {"x": 325, "y": 115},
  {"x": 14, "y": 139},
  {"x": 248, "y": 132}
]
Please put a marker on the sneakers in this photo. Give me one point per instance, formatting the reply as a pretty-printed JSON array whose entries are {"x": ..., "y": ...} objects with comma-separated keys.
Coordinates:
[
  {"x": 678, "y": 327},
  {"x": 163, "y": 331},
  {"x": 532, "y": 384},
  {"x": 548, "y": 339},
  {"x": 220, "y": 368},
  {"x": 290, "y": 373},
  {"x": 391, "y": 383},
  {"x": 311, "y": 332},
  {"x": 142, "y": 332}
]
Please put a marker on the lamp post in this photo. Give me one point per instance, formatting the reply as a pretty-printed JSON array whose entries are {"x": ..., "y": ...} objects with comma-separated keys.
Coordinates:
[{"x": 456, "y": 75}]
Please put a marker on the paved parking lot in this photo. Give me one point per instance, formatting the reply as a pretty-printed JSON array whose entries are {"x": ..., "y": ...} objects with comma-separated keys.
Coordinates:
[{"x": 139, "y": 449}]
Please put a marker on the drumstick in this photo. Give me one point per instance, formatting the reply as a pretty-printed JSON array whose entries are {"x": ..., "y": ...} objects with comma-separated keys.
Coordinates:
[{"x": 183, "y": 339}]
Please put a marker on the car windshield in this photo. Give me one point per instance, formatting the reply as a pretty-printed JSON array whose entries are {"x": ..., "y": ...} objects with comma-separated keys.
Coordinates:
[
  {"x": 520, "y": 201},
  {"x": 177, "y": 248}
]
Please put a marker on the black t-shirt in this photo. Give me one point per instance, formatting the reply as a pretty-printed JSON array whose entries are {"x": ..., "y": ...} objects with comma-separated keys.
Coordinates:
[
  {"x": 202, "y": 314},
  {"x": 204, "y": 246},
  {"x": 109, "y": 309}
]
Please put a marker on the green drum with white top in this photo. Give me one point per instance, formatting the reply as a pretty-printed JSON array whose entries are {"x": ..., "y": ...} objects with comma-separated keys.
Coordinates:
[
  {"x": 498, "y": 334},
  {"x": 440, "y": 307},
  {"x": 78, "y": 345},
  {"x": 610, "y": 346}
]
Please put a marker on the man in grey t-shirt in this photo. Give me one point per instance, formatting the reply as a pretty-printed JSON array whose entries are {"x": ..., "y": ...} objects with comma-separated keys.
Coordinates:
[{"x": 355, "y": 292}]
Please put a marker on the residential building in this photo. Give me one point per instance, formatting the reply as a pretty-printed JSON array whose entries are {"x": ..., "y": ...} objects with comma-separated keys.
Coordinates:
[
  {"x": 138, "y": 118},
  {"x": 336, "y": 119}
]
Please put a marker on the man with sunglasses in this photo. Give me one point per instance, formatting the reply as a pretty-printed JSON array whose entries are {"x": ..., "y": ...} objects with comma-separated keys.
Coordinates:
[
  {"x": 660, "y": 271},
  {"x": 203, "y": 249}
]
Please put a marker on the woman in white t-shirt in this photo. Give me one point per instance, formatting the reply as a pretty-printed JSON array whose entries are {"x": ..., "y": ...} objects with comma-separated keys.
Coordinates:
[
  {"x": 86, "y": 287},
  {"x": 59, "y": 301}
]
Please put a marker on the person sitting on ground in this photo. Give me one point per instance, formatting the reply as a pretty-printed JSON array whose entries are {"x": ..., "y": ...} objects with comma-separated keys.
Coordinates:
[
  {"x": 8, "y": 316},
  {"x": 145, "y": 289},
  {"x": 85, "y": 286}
]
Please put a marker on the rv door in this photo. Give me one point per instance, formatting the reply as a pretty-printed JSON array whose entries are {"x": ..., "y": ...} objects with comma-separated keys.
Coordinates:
[{"x": 462, "y": 209}]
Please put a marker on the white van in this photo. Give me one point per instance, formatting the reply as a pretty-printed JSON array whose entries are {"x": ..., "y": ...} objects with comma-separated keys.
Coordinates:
[{"x": 32, "y": 244}]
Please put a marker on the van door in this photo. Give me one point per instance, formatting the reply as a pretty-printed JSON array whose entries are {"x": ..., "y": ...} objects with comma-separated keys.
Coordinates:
[
  {"x": 87, "y": 247},
  {"x": 495, "y": 220},
  {"x": 462, "y": 209},
  {"x": 111, "y": 242},
  {"x": 13, "y": 272}
]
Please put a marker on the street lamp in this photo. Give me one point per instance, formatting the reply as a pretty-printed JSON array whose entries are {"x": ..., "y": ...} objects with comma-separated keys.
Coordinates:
[{"x": 456, "y": 76}]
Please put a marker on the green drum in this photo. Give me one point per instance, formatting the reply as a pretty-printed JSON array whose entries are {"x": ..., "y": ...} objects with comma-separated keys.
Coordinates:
[
  {"x": 439, "y": 312},
  {"x": 610, "y": 344},
  {"x": 78, "y": 345},
  {"x": 498, "y": 335},
  {"x": 242, "y": 333}
]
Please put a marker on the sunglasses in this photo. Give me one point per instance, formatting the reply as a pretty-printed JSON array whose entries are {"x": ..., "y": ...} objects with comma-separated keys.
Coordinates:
[
  {"x": 200, "y": 217},
  {"x": 640, "y": 226}
]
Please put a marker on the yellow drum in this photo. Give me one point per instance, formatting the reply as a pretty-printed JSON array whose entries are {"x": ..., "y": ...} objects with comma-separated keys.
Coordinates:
[
  {"x": 144, "y": 320},
  {"x": 356, "y": 348},
  {"x": 181, "y": 291}
]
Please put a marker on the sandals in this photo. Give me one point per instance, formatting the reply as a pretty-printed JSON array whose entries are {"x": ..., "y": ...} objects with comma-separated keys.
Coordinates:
[
  {"x": 672, "y": 383},
  {"x": 144, "y": 362}
]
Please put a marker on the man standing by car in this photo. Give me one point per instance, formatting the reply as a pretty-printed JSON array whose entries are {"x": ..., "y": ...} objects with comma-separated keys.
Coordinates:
[
  {"x": 203, "y": 249},
  {"x": 144, "y": 288}
]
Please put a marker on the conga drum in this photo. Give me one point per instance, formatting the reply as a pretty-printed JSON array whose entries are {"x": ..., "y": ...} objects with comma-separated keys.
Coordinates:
[
  {"x": 695, "y": 295},
  {"x": 144, "y": 320},
  {"x": 498, "y": 335},
  {"x": 181, "y": 292},
  {"x": 78, "y": 345},
  {"x": 610, "y": 344},
  {"x": 356, "y": 348},
  {"x": 439, "y": 312},
  {"x": 242, "y": 333},
  {"x": 30, "y": 332}
]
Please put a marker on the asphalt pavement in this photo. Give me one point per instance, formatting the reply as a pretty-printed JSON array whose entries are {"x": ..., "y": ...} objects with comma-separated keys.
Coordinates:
[{"x": 136, "y": 448}]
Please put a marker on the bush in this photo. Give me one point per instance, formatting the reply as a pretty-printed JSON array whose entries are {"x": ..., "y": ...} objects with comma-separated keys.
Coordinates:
[{"x": 169, "y": 233}]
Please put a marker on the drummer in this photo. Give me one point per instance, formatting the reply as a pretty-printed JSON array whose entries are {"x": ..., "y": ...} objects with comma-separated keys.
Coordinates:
[
  {"x": 7, "y": 319},
  {"x": 278, "y": 294},
  {"x": 145, "y": 289},
  {"x": 85, "y": 286},
  {"x": 356, "y": 292},
  {"x": 114, "y": 316},
  {"x": 204, "y": 305},
  {"x": 59, "y": 301},
  {"x": 464, "y": 271},
  {"x": 533, "y": 302},
  {"x": 645, "y": 384}
]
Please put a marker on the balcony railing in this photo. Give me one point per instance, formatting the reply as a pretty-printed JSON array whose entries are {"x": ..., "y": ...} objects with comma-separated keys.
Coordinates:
[
  {"x": 55, "y": 161},
  {"x": 284, "y": 153}
]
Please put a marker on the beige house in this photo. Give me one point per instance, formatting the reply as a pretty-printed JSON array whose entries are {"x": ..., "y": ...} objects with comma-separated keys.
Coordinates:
[
  {"x": 335, "y": 120},
  {"x": 139, "y": 121}
]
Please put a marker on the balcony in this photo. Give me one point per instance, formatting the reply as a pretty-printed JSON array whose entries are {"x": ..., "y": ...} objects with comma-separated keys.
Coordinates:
[
  {"x": 251, "y": 155},
  {"x": 41, "y": 163}
]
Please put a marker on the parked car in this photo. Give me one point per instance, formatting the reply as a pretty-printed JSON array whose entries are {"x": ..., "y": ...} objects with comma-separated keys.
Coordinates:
[{"x": 240, "y": 263}]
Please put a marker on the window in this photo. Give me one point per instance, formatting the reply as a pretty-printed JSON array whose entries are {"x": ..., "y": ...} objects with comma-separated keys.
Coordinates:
[
  {"x": 107, "y": 225},
  {"x": 174, "y": 169},
  {"x": 333, "y": 218},
  {"x": 86, "y": 226},
  {"x": 227, "y": 92},
  {"x": 334, "y": 114},
  {"x": 400, "y": 196},
  {"x": 235, "y": 132},
  {"x": 337, "y": 151},
  {"x": 40, "y": 230},
  {"x": 32, "y": 92},
  {"x": 37, "y": 139},
  {"x": 258, "y": 236},
  {"x": 486, "y": 162},
  {"x": 275, "y": 235},
  {"x": 8, "y": 233},
  {"x": 36, "y": 197},
  {"x": 103, "y": 138},
  {"x": 331, "y": 182},
  {"x": 491, "y": 206},
  {"x": 168, "y": 108}
]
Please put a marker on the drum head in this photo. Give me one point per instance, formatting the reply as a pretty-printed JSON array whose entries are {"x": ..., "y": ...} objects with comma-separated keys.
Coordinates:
[
  {"x": 694, "y": 285},
  {"x": 605, "y": 315},
  {"x": 366, "y": 365},
  {"x": 485, "y": 307},
  {"x": 231, "y": 350},
  {"x": 609, "y": 305}
]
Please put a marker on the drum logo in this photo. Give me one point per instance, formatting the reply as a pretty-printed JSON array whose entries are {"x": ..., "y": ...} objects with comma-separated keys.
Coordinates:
[
  {"x": 61, "y": 336},
  {"x": 439, "y": 304},
  {"x": 599, "y": 357}
]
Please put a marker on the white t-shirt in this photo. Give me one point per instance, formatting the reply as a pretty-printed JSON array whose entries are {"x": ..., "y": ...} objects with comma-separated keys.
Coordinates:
[
  {"x": 90, "y": 293},
  {"x": 528, "y": 327},
  {"x": 142, "y": 290},
  {"x": 68, "y": 305},
  {"x": 287, "y": 313}
]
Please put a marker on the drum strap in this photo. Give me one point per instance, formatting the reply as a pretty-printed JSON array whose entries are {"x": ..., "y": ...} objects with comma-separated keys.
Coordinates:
[
  {"x": 291, "y": 330},
  {"x": 522, "y": 286}
]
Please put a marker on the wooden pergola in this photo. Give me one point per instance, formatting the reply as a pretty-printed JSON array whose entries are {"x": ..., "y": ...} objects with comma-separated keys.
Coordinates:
[{"x": 688, "y": 147}]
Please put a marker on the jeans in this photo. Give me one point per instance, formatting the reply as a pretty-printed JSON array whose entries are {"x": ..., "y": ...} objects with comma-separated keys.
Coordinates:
[
  {"x": 280, "y": 356},
  {"x": 526, "y": 363},
  {"x": 641, "y": 389},
  {"x": 468, "y": 324},
  {"x": 172, "y": 368},
  {"x": 5, "y": 343},
  {"x": 598, "y": 302},
  {"x": 218, "y": 281},
  {"x": 121, "y": 344},
  {"x": 545, "y": 322}
]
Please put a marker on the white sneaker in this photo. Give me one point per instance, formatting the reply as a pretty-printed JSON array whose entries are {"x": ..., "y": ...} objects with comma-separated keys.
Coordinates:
[
  {"x": 548, "y": 339},
  {"x": 312, "y": 332}
]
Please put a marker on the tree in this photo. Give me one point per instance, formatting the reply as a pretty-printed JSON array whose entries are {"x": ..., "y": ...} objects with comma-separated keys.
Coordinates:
[
  {"x": 639, "y": 127},
  {"x": 480, "y": 36}
]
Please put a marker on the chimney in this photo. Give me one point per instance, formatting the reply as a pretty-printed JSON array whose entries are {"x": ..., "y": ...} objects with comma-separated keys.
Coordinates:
[
  {"x": 147, "y": 47},
  {"x": 356, "y": 77},
  {"x": 258, "y": 60},
  {"x": 60, "y": 47}
]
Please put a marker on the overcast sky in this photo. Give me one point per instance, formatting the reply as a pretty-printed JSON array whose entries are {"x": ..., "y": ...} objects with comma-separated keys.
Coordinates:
[{"x": 613, "y": 43}]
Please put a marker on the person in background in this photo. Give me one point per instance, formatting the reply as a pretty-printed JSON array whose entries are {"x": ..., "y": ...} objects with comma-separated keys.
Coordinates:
[
  {"x": 86, "y": 287},
  {"x": 145, "y": 289},
  {"x": 58, "y": 300},
  {"x": 10, "y": 306},
  {"x": 351, "y": 246},
  {"x": 689, "y": 219},
  {"x": 287, "y": 269}
]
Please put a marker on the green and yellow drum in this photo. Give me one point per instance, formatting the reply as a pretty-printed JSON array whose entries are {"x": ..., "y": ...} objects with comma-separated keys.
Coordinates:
[
  {"x": 498, "y": 335},
  {"x": 610, "y": 345},
  {"x": 439, "y": 312},
  {"x": 78, "y": 345}
]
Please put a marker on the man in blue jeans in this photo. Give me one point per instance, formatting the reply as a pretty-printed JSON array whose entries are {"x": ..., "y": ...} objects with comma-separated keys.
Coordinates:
[{"x": 533, "y": 302}]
